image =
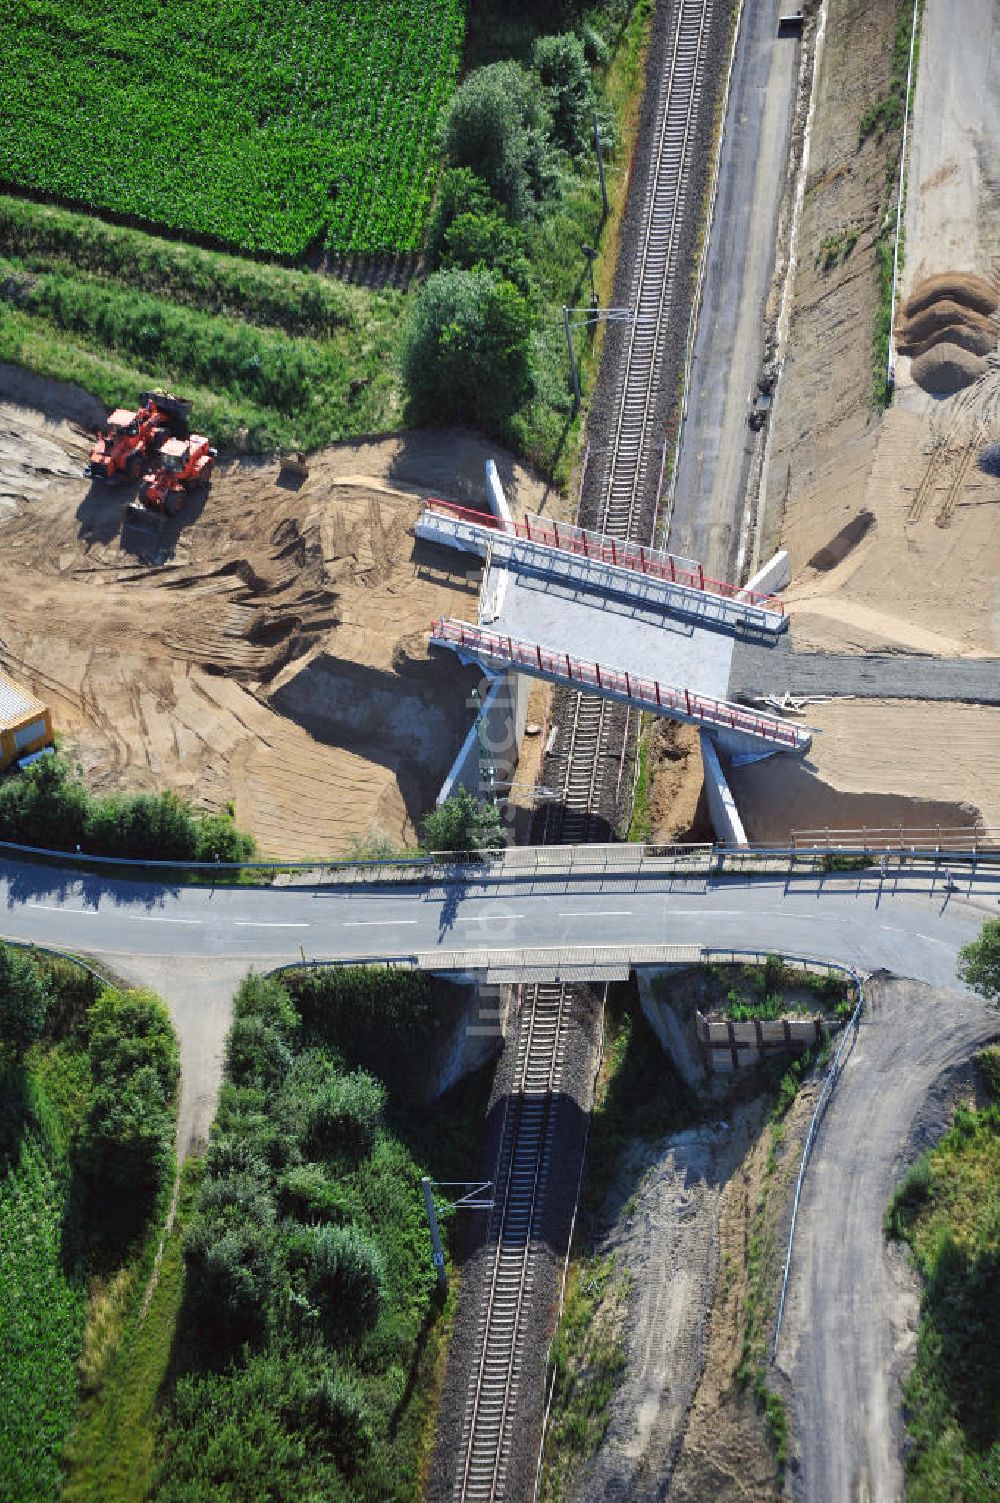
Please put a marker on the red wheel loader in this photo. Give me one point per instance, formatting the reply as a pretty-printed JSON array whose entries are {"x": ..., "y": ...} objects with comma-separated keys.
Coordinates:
[{"x": 122, "y": 451}]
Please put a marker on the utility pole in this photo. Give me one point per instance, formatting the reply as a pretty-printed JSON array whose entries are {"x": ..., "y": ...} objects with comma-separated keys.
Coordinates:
[
  {"x": 600, "y": 169},
  {"x": 572, "y": 359},
  {"x": 437, "y": 1252},
  {"x": 471, "y": 1200}
]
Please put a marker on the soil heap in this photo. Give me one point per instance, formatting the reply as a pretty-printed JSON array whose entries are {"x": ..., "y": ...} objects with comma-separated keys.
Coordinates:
[{"x": 948, "y": 329}]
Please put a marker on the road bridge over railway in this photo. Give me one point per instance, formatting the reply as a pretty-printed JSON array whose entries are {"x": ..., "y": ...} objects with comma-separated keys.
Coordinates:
[{"x": 909, "y": 920}]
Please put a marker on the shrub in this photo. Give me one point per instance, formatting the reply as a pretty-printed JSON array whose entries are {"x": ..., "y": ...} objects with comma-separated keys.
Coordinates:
[
  {"x": 911, "y": 1193},
  {"x": 273, "y": 1429},
  {"x": 233, "y": 1273},
  {"x": 256, "y": 1054},
  {"x": 335, "y": 1405},
  {"x": 266, "y": 999},
  {"x": 384, "y": 1021},
  {"x": 307, "y": 1193},
  {"x": 345, "y": 1279},
  {"x": 466, "y": 354},
  {"x": 462, "y": 824},
  {"x": 561, "y": 64},
  {"x": 460, "y": 191},
  {"x": 334, "y": 1113},
  {"x": 988, "y": 1060},
  {"x": 48, "y": 806},
  {"x": 487, "y": 241},
  {"x": 24, "y": 1001}
]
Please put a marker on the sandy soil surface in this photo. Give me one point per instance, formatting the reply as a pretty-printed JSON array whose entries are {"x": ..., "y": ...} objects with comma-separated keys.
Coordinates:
[
  {"x": 275, "y": 657},
  {"x": 677, "y": 778},
  {"x": 850, "y": 1325},
  {"x": 890, "y": 523},
  {"x": 879, "y": 764}
]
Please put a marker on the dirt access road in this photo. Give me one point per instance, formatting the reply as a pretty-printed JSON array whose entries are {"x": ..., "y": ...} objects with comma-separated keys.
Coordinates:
[
  {"x": 850, "y": 1325},
  {"x": 270, "y": 651},
  {"x": 716, "y": 440}
]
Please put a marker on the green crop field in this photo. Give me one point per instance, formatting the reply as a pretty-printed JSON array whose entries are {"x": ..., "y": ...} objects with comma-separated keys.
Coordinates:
[
  {"x": 276, "y": 126},
  {"x": 41, "y": 1320}
]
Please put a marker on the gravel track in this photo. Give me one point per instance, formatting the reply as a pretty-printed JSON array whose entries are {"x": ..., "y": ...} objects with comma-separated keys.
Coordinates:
[{"x": 850, "y": 1324}]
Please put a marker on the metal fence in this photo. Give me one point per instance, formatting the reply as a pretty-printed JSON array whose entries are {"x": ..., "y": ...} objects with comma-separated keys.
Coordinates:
[{"x": 966, "y": 849}]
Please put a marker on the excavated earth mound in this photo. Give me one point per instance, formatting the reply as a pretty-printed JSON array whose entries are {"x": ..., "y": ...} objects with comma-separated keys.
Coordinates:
[
  {"x": 972, "y": 292},
  {"x": 948, "y": 327},
  {"x": 947, "y": 368}
]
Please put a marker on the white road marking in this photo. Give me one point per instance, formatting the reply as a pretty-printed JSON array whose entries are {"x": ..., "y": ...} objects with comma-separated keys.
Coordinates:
[
  {"x": 601, "y": 913},
  {"x": 153, "y": 918},
  {"x": 375, "y": 923},
  {"x": 58, "y": 908},
  {"x": 263, "y": 924},
  {"x": 485, "y": 918}
]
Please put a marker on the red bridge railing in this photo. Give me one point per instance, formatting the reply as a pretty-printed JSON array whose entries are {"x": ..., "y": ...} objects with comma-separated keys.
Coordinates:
[
  {"x": 564, "y": 668},
  {"x": 604, "y": 549}
]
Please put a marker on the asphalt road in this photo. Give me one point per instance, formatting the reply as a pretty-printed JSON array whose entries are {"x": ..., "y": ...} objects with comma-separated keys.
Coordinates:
[
  {"x": 853, "y": 1299},
  {"x": 716, "y": 441},
  {"x": 901, "y": 924}
]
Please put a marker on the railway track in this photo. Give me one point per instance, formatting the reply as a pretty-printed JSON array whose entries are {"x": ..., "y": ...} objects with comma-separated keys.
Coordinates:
[
  {"x": 525, "y": 1152},
  {"x": 606, "y": 739},
  {"x": 591, "y": 766}
]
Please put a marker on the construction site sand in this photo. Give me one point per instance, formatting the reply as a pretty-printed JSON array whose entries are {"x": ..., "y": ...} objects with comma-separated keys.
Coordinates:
[
  {"x": 277, "y": 661},
  {"x": 880, "y": 764},
  {"x": 891, "y": 525}
]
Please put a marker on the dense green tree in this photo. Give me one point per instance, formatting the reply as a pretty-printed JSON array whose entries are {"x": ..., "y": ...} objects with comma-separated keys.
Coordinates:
[
  {"x": 128, "y": 1031},
  {"x": 24, "y": 1001},
  {"x": 496, "y": 125},
  {"x": 487, "y": 240},
  {"x": 459, "y": 191},
  {"x": 126, "y": 1142},
  {"x": 463, "y": 823},
  {"x": 979, "y": 962},
  {"x": 561, "y": 64},
  {"x": 467, "y": 349}
]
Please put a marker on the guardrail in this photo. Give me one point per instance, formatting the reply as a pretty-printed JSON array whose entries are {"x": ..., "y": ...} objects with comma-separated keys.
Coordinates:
[
  {"x": 602, "y": 548},
  {"x": 621, "y": 859},
  {"x": 612, "y": 683}
]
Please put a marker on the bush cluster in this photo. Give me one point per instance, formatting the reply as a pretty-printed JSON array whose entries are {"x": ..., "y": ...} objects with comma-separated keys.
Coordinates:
[
  {"x": 279, "y": 1265},
  {"x": 126, "y": 1147},
  {"x": 308, "y": 1275},
  {"x": 505, "y": 137},
  {"x": 48, "y": 806}
]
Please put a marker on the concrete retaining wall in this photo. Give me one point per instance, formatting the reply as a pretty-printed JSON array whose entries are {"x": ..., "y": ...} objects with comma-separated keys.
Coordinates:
[
  {"x": 736, "y": 1046},
  {"x": 476, "y": 1037},
  {"x": 722, "y": 808},
  {"x": 502, "y": 720},
  {"x": 775, "y": 575}
]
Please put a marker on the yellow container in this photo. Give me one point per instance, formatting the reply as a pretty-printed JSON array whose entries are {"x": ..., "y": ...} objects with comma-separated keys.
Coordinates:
[{"x": 25, "y": 723}]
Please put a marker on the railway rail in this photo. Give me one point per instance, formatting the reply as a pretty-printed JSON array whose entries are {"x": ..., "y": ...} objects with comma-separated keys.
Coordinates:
[{"x": 591, "y": 767}]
